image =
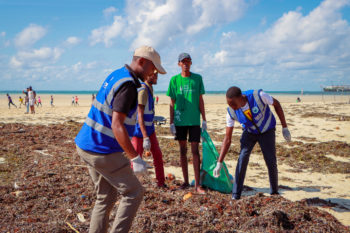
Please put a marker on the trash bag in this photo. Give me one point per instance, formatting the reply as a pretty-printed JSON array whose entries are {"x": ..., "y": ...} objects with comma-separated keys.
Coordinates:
[{"x": 224, "y": 182}]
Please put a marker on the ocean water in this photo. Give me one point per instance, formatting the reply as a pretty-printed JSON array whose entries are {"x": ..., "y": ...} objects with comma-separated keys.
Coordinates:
[{"x": 90, "y": 92}]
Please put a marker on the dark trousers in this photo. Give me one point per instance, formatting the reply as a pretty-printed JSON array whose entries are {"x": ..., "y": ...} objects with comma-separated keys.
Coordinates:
[{"x": 267, "y": 142}]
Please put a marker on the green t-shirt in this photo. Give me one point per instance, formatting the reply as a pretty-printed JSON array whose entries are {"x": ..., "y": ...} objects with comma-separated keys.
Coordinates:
[{"x": 186, "y": 91}]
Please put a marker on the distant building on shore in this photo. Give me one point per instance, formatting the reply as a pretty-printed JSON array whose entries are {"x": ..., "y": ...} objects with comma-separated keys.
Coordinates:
[{"x": 337, "y": 88}]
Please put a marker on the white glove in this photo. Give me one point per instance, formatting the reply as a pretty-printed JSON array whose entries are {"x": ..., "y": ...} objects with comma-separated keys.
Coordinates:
[
  {"x": 204, "y": 125},
  {"x": 146, "y": 144},
  {"x": 286, "y": 134},
  {"x": 172, "y": 129},
  {"x": 217, "y": 170},
  {"x": 139, "y": 165}
]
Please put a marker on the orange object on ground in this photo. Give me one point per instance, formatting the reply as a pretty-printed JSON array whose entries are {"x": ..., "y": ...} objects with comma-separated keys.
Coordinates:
[{"x": 187, "y": 196}]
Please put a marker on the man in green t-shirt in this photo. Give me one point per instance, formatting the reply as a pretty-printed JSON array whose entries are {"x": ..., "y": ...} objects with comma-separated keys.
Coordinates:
[{"x": 186, "y": 92}]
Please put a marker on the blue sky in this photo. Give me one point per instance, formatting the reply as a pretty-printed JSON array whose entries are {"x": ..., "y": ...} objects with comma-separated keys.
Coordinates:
[{"x": 280, "y": 45}]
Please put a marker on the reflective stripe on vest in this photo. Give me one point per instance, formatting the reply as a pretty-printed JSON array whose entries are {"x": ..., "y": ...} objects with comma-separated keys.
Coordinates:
[
  {"x": 148, "y": 114},
  {"x": 96, "y": 134},
  {"x": 105, "y": 108},
  {"x": 262, "y": 108},
  {"x": 100, "y": 128},
  {"x": 233, "y": 116}
]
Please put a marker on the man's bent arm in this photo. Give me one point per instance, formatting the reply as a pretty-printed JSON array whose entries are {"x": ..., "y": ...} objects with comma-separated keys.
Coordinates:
[
  {"x": 121, "y": 134},
  {"x": 226, "y": 144},
  {"x": 280, "y": 113}
]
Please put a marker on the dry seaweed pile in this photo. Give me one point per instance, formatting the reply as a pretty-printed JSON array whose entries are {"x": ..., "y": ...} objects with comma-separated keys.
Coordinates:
[
  {"x": 45, "y": 188},
  {"x": 215, "y": 212},
  {"x": 313, "y": 156},
  {"x": 326, "y": 115}
]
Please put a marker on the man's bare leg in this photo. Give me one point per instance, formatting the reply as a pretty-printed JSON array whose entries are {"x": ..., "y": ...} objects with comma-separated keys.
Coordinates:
[
  {"x": 184, "y": 163},
  {"x": 196, "y": 166}
]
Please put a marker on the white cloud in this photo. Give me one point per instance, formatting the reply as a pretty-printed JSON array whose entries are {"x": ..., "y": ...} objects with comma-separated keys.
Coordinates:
[
  {"x": 29, "y": 36},
  {"x": 72, "y": 40},
  {"x": 297, "y": 51},
  {"x": 91, "y": 65},
  {"x": 158, "y": 22},
  {"x": 109, "y": 11},
  {"x": 106, "y": 34},
  {"x": 294, "y": 41},
  {"x": 36, "y": 57},
  {"x": 77, "y": 67},
  {"x": 3, "y": 34},
  {"x": 212, "y": 12}
]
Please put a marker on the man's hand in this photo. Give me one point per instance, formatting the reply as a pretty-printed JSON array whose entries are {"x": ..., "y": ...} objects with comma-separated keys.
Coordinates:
[
  {"x": 286, "y": 134},
  {"x": 204, "y": 125},
  {"x": 146, "y": 144},
  {"x": 139, "y": 165},
  {"x": 172, "y": 129},
  {"x": 217, "y": 170}
]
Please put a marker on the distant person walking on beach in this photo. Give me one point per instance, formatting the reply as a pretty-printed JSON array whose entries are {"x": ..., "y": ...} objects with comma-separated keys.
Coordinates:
[
  {"x": 186, "y": 92},
  {"x": 31, "y": 96},
  {"x": 157, "y": 99},
  {"x": 145, "y": 136},
  {"x": 10, "y": 101},
  {"x": 73, "y": 101},
  {"x": 93, "y": 98},
  {"x": 76, "y": 100},
  {"x": 251, "y": 109},
  {"x": 26, "y": 100},
  {"x": 20, "y": 101},
  {"x": 104, "y": 143},
  {"x": 51, "y": 101},
  {"x": 39, "y": 102}
]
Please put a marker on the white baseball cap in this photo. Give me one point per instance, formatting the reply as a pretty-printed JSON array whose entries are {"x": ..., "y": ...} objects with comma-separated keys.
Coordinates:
[{"x": 151, "y": 54}]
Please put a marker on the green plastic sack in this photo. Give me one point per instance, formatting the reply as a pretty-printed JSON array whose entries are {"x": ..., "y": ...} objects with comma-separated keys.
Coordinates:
[{"x": 223, "y": 183}]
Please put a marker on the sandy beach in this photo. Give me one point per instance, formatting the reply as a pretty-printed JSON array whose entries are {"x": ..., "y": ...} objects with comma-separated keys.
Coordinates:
[{"x": 316, "y": 120}]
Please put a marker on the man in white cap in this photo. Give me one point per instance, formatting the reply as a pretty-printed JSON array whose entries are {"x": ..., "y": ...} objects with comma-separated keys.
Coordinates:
[{"x": 104, "y": 142}]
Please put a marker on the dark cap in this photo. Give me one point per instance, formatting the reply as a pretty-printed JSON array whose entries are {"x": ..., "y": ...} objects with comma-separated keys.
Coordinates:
[{"x": 184, "y": 56}]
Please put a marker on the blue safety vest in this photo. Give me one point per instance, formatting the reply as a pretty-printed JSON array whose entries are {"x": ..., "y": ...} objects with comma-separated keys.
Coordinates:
[
  {"x": 261, "y": 114},
  {"x": 96, "y": 134},
  {"x": 148, "y": 115}
]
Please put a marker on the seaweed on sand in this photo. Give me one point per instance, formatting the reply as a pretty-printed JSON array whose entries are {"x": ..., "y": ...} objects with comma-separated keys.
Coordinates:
[{"x": 53, "y": 191}]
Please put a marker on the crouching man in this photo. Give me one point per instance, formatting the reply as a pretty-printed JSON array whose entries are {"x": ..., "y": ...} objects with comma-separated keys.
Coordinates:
[{"x": 251, "y": 109}]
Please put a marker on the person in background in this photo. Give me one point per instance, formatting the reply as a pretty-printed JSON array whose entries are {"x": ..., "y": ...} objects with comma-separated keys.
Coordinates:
[
  {"x": 31, "y": 96},
  {"x": 186, "y": 91},
  {"x": 26, "y": 100},
  {"x": 104, "y": 143},
  {"x": 93, "y": 98},
  {"x": 10, "y": 101},
  {"x": 20, "y": 101},
  {"x": 76, "y": 101},
  {"x": 145, "y": 136},
  {"x": 251, "y": 109},
  {"x": 157, "y": 99},
  {"x": 73, "y": 101},
  {"x": 39, "y": 102},
  {"x": 51, "y": 101}
]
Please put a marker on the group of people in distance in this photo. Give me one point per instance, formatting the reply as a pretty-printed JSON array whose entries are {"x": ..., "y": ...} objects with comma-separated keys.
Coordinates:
[
  {"x": 75, "y": 101},
  {"x": 29, "y": 101},
  {"x": 119, "y": 127}
]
